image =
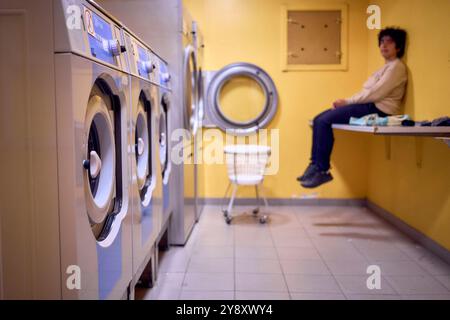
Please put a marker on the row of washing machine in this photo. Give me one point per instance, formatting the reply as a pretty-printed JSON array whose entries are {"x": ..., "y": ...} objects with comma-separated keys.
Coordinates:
[
  {"x": 172, "y": 32},
  {"x": 89, "y": 121},
  {"x": 88, "y": 187}
]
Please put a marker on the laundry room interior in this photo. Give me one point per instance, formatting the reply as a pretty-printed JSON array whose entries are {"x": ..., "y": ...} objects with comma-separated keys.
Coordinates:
[{"x": 225, "y": 150}]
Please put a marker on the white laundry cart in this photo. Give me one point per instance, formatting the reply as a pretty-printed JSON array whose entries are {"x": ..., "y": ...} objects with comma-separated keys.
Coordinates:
[{"x": 246, "y": 165}]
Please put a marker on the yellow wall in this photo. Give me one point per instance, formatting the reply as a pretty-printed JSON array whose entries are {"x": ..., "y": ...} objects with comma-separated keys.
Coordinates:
[
  {"x": 250, "y": 31},
  {"x": 418, "y": 196}
]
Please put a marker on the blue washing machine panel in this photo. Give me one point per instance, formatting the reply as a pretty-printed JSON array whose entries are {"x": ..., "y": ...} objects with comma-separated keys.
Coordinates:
[
  {"x": 163, "y": 70},
  {"x": 100, "y": 35},
  {"x": 166, "y": 197},
  {"x": 147, "y": 223},
  {"x": 143, "y": 58},
  {"x": 109, "y": 266}
]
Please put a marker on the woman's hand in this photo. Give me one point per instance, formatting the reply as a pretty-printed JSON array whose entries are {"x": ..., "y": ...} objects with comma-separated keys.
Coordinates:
[{"x": 339, "y": 103}]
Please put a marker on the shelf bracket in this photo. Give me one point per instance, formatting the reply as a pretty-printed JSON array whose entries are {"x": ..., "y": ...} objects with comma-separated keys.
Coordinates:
[{"x": 445, "y": 140}]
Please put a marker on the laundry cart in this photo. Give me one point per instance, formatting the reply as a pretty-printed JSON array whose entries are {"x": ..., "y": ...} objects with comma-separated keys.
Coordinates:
[{"x": 246, "y": 165}]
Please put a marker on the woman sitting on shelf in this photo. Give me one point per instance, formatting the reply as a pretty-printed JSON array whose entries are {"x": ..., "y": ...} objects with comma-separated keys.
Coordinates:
[{"x": 382, "y": 94}]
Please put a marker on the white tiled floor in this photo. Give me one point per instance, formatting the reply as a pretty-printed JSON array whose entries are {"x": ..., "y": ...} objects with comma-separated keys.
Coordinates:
[{"x": 302, "y": 253}]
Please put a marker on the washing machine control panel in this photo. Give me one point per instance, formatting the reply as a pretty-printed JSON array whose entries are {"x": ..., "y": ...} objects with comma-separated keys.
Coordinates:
[
  {"x": 103, "y": 37},
  {"x": 155, "y": 75},
  {"x": 140, "y": 58},
  {"x": 164, "y": 75},
  {"x": 145, "y": 64}
]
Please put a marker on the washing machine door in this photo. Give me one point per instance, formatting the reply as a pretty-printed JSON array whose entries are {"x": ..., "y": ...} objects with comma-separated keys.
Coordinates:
[
  {"x": 100, "y": 163},
  {"x": 201, "y": 98},
  {"x": 143, "y": 147},
  {"x": 190, "y": 90},
  {"x": 164, "y": 139},
  {"x": 241, "y": 98}
]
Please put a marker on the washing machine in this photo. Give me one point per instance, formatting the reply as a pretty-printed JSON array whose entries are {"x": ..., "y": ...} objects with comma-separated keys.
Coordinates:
[
  {"x": 190, "y": 120},
  {"x": 237, "y": 119},
  {"x": 167, "y": 27},
  {"x": 144, "y": 155},
  {"x": 92, "y": 103},
  {"x": 68, "y": 222},
  {"x": 163, "y": 79},
  {"x": 199, "y": 45}
]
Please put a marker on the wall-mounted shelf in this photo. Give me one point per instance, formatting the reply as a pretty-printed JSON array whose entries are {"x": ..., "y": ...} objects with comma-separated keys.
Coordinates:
[
  {"x": 434, "y": 132},
  {"x": 439, "y": 133}
]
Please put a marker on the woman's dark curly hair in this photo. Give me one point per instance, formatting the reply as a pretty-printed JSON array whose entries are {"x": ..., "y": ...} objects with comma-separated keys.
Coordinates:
[{"x": 399, "y": 37}]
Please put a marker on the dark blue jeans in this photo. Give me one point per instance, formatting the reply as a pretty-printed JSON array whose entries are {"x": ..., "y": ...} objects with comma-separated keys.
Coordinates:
[{"x": 323, "y": 138}]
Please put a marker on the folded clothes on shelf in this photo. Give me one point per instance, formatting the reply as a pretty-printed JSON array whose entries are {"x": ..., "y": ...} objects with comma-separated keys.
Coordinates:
[
  {"x": 439, "y": 122},
  {"x": 375, "y": 120},
  {"x": 408, "y": 123}
]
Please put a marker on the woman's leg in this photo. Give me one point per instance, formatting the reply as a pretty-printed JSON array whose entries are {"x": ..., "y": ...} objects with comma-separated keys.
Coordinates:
[
  {"x": 312, "y": 166},
  {"x": 315, "y": 139},
  {"x": 323, "y": 138}
]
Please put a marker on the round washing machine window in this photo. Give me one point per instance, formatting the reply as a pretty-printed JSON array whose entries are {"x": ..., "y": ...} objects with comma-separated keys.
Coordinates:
[
  {"x": 242, "y": 98},
  {"x": 143, "y": 144},
  {"x": 100, "y": 160}
]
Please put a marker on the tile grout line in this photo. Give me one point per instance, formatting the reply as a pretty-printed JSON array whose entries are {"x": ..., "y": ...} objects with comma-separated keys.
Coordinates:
[
  {"x": 408, "y": 237},
  {"x": 309, "y": 237},
  {"x": 366, "y": 259},
  {"x": 189, "y": 260},
  {"x": 369, "y": 263},
  {"x": 329, "y": 269},
  {"x": 234, "y": 265},
  {"x": 315, "y": 246},
  {"x": 281, "y": 267},
  {"x": 185, "y": 271},
  {"x": 420, "y": 266}
]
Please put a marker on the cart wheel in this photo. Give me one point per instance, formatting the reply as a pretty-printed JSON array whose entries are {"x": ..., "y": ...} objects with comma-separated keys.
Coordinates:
[
  {"x": 228, "y": 220},
  {"x": 256, "y": 211},
  {"x": 146, "y": 283},
  {"x": 225, "y": 213},
  {"x": 263, "y": 220}
]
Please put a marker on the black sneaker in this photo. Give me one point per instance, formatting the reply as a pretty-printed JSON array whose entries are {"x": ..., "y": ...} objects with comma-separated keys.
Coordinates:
[
  {"x": 317, "y": 179},
  {"x": 308, "y": 172}
]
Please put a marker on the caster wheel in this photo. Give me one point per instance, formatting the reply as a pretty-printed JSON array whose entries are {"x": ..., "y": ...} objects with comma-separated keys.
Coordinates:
[
  {"x": 263, "y": 220},
  {"x": 255, "y": 211},
  {"x": 225, "y": 213},
  {"x": 228, "y": 220},
  {"x": 145, "y": 283}
]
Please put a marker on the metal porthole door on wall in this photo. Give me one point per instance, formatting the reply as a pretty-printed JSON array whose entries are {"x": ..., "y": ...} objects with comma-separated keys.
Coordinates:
[{"x": 217, "y": 114}]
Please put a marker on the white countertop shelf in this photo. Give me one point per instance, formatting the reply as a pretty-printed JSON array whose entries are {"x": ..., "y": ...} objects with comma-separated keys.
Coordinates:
[{"x": 436, "y": 132}]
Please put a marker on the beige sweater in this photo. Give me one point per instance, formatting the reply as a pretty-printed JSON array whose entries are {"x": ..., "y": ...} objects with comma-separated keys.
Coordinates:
[{"x": 386, "y": 88}]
